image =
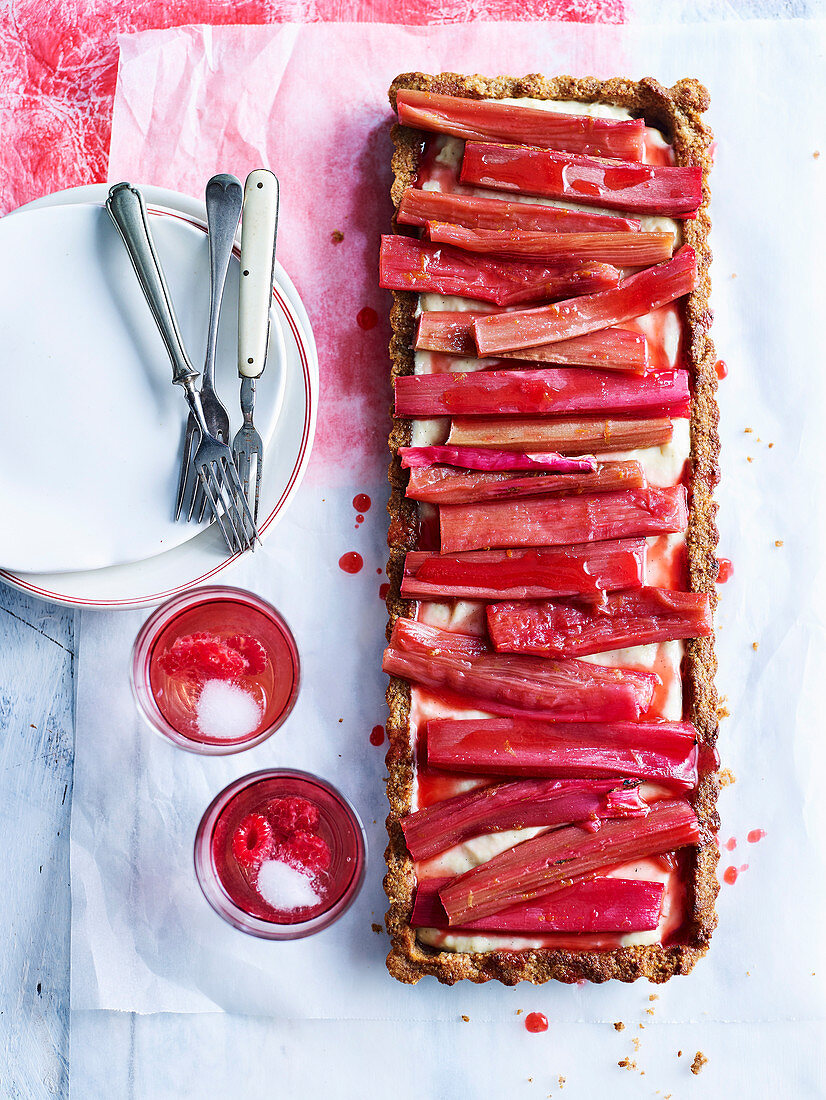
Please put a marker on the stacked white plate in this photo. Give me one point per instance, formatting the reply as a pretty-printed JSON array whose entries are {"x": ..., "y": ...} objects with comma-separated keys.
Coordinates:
[{"x": 91, "y": 427}]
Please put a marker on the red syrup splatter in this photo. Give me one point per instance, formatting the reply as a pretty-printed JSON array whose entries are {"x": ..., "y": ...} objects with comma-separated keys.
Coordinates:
[
  {"x": 359, "y": 518},
  {"x": 721, "y": 368},
  {"x": 351, "y": 562},
  {"x": 377, "y": 735},
  {"x": 378, "y": 572},
  {"x": 361, "y": 503},
  {"x": 536, "y": 1022},
  {"x": 731, "y": 843},
  {"x": 725, "y": 570},
  {"x": 755, "y": 835},
  {"x": 383, "y": 590},
  {"x": 367, "y": 318},
  {"x": 731, "y": 874}
]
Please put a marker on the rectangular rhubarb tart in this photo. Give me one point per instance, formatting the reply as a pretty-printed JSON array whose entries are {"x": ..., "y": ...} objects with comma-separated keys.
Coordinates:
[{"x": 552, "y": 710}]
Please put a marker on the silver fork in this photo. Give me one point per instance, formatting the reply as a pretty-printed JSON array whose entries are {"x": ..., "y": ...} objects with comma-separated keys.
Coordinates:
[
  {"x": 213, "y": 459},
  {"x": 224, "y": 198},
  {"x": 259, "y": 228}
]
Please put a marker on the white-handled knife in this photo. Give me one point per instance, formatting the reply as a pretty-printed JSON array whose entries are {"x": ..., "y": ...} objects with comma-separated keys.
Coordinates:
[{"x": 259, "y": 227}]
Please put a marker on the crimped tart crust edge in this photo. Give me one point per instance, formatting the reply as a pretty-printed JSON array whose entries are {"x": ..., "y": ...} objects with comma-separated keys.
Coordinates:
[{"x": 677, "y": 113}]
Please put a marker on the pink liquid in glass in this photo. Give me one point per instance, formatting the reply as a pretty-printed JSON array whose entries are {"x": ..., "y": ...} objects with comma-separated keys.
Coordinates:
[
  {"x": 231, "y": 885},
  {"x": 171, "y": 701}
]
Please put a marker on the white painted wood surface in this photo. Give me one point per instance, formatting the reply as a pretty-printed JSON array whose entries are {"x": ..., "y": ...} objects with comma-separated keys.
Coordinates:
[{"x": 36, "y": 749}]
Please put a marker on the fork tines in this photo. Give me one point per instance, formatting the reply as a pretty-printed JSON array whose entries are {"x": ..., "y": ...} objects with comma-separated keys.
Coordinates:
[{"x": 220, "y": 482}]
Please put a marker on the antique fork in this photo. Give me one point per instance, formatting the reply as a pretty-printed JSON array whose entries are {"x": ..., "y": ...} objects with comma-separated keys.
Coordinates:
[
  {"x": 224, "y": 197},
  {"x": 213, "y": 459},
  {"x": 259, "y": 227}
]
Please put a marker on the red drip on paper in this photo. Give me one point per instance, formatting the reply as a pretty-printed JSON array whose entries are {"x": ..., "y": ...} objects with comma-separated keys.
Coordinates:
[
  {"x": 377, "y": 735},
  {"x": 755, "y": 835},
  {"x": 361, "y": 503},
  {"x": 725, "y": 570},
  {"x": 731, "y": 874},
  {"x": 731, "y": 843},
  {"x": 367, "y": 318},
  {"x": 536, "y": 1022},
  {"x": 721, "y": 368},
  {"x": 351, "y": 562},
  {"x": 384, "y": 588}
]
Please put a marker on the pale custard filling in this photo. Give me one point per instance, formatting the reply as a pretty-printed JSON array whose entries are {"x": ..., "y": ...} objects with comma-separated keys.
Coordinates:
[{"x": 663, "y": 466}]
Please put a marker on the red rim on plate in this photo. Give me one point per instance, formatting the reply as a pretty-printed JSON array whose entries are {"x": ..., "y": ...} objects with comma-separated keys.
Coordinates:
[{"x": 286, "y": 307}]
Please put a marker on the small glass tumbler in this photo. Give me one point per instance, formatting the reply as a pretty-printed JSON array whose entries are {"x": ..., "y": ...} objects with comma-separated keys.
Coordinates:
[
  {"x": 179, "y": 708},
  {"x": 230, "y": 888}
]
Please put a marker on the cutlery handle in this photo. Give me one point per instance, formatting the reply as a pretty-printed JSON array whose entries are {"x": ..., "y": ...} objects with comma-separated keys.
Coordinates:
[
  {"x": 224, "y": 198},
  {"x": 259, "y": 226},
  {"x": 126, "y": 208}
]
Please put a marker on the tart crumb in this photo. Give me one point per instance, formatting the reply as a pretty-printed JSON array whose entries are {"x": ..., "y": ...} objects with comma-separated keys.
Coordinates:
[
  {"x": 679, "y": 1054},
  {"x": 778, "y": 542},
  {"x": 816, "y": 154},
  {"x": 619, "y": 1026},
  {"x": 727, "y": 777},
  {"x": 755, "y": 645},
  {"x": 771, "y": 444},
  {"x": 561, "y": 1081},
  {"x": 519, "y": 1012},
  {"x": 749, "y": 458},
  {"x": 635, "y": 1042},
  {"x": 650, "y": 1011},
  {"x": 377, "y": 928},
  {"x": 626, "y": 1063},
  {"x": 698, "y": 1063},
  {"x": 748, "y": 430},
  {"x": 654, "y": 997},
  {"x": 467, "y": 1021},
  {"x": 336, "y": 236}
]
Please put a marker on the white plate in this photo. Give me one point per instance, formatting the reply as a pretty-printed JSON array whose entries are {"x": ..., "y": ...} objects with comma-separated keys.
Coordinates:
[
  {"x": 144, "y": 582},
  {"x": 90, "y": 425}
]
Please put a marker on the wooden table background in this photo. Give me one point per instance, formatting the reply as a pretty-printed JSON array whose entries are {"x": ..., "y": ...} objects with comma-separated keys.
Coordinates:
[{"x": 58, "y": 65}]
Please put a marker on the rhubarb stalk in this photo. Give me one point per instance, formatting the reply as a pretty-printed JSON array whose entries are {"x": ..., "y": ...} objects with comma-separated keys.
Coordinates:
[
  {"x": 625, "y": 249},
  {"x": 635, "y": 296},
  {"x": 551, "y": 521},
  {"x": 639, "y": 188},
  {"x": 654, "y": 752},
  {"x": 418, "y": 207},
  {"x": 410, "y": 264},
  {"x": 552, "y": 391},
  {"x": 525, "y": 574},
  {"x": 525, "y": 804},
  {"x": 566, "y": 436},
  {"x": 490, "y": 120},
  {"x": 596, "y": 905},
  {"x": 472, "y": 458},
  {"x": 622, "y": 349},
  {"x": 563, "y": 857},
  {"x": 448, "y": 485},
  {"x": 560, "y": 690},
  {"x": 554, "y": 629}
]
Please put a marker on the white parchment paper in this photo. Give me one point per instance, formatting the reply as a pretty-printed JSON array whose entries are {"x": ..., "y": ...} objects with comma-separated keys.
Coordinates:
[{"x": 143, "y": 939}]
